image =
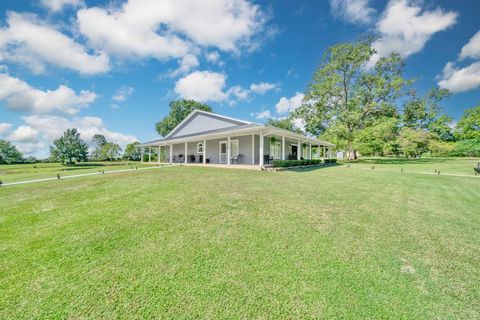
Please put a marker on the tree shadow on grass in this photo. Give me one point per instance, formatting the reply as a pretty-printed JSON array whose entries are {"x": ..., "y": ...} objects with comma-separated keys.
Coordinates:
[
  {"x": 402, "y": 161},
  {"x": 309, "y": 169}
]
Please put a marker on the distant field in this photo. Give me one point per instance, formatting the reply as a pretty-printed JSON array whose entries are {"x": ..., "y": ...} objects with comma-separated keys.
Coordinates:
[
  {"x": 188, "y": 243},
  {"x": 21, "y": 172}
]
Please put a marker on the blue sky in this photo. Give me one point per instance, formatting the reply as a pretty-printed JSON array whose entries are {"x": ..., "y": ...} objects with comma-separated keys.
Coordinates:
[{"x": 112, "y": 67}]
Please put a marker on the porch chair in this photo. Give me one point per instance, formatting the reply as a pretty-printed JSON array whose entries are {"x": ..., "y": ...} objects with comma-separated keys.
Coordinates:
[
  {"x": 236, "y": 159},
  {"x": 180, "y": 158},
  {"x": 267, "y": 159},
  {"x": 191, "y": 158}
]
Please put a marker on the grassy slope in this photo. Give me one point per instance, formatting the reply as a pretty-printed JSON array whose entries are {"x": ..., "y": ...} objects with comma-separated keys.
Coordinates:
[
  {"x": 198, "y": 242},
  {"x": 22, "y": 172}
]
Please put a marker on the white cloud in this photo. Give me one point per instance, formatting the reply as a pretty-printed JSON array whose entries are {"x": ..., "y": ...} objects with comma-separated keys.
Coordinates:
[
  {"x": 262, "y": 87},
  {"x": 170, "y": 29},
  {"x": 20, "y": 96},
  {"x": 206, "y": 86},
  {"x": 123, "y": 93},
  {"x": 472, "y": 48},
  {"x": 186, "y": 64},
  {"x": 38, "y": 132},
  {"x": 354, "y": 11},
  {"x": 262, "y": 115},
  {"x": 213, "y": 56},
  {"x": 4, "y": 127},
  {"x": 405, "y": 28},
  {"x": 24, "y": 134},
  {"x": 33, "y": 43},
  {"x": 58, "y": 5},
  {"x": 289, "y": 104},
  {"x": 202, "y": 86},
  {"x": 460, "y": 80}
]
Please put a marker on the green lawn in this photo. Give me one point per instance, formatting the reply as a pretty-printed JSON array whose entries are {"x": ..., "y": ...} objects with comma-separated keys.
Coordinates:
[
  {"x": 184, "y": 242},
  {"x": 22, "y": 172}
]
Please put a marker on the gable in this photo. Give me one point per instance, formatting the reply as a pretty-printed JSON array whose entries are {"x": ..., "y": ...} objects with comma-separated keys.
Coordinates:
[{"x": 201, "y": 122}]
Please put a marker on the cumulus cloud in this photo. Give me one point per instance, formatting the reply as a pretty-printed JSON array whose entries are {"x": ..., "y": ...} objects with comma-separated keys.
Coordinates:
[
  {"x": 123, "y": 93},
  {"x": 472, "y": 48},
  {"x": 262, "y": 87},
  {"x": 206, "y": 86},
  {"x": 213, "y": 57},
  {"x": 202, "y": 86},
  {"x": 186, "y": 64},
  {"x": 354, "y": 11},
  {"x": 39, "y": 131},
  {"x": 286, "y": 105},
  {"x": 170, "y": 29},
  {"x": 34, "y": 43},
  {"x": 58, "y": 5},
  {"x": 24, "y": 134},
  {"x": 4, "y": 127},
  {"x": 460, "y": 79},
  {"x": 405, "y": 28},
  {"x": 20, "y": 96},
  {"x": 262, "y": 115}
]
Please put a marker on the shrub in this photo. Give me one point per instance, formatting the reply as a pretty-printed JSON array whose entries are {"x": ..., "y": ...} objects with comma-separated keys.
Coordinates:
[{"x": 295, "y": 163}]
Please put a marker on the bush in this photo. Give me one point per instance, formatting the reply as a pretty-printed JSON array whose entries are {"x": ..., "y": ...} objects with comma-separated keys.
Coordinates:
[
  {"x": 330, "y": 160},
  {"x": 296, "y": 163},
  {"x": 467, "y": 148}
]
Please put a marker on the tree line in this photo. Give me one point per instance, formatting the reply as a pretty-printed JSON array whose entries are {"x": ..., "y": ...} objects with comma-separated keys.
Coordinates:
[
  {"x": 375, "y": 110},
  {"x": 70, "y": 148}
]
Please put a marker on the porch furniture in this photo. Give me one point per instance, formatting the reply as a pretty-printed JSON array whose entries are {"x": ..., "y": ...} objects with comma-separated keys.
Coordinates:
[
  {"x": 477, "y": 169},
  {"x": 180, "y": 158},
  {"x": 200, "y": 158},
  {"x": 267, "y": 159},
  {"x": 174, "y": 159},
  {"x": 235, "y": 159},
  {"x": 191, "y": 158}
]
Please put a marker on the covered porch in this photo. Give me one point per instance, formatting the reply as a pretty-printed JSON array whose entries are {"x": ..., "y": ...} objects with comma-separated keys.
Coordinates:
[{"x": 252, "y": 149}]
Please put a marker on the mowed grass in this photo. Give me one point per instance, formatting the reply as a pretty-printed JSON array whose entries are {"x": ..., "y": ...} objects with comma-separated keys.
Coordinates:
[
  {"x": 184, "y": 242},
  {"x": 462, "y": 166},
  {"x": 23, "y": 172}
]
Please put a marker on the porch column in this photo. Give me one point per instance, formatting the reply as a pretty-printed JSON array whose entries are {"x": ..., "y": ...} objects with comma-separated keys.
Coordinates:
[
  {"x": 159, "y": 152},
  {"x": 298, "y": 150},
  {"x": 171, "y": 153},
  {"x": 260, "y": 155},
  {"x": 186, "y": 152},
  {"x": 228, "y": 151},
  {"x": 149, "y": 154},
  {"x": 283, "y": 147},
  {"x": 204, "y": 151},
  {"x": 310, "y": 150},
  {"x": 324, "y": 155},
  {"x": 253, "y": 148},
  {"x": 141, "y": 154}
]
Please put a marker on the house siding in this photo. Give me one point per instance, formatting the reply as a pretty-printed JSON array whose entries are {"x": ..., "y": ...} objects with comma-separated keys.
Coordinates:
[{"x": 201, "y": 123}]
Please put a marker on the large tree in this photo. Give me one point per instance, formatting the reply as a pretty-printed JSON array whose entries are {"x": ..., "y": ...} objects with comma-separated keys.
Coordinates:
[
  {"x": 110, "y": 151},
  {"x": 69, "y": 148},
  {"x": 9, "y": 153},
  {"x": 132, "y": 152},
  {"x": 98, "y": 142},
  {"x": 424, "y": 113},
  {"x": 179, "y": 110},
  {"x": 469, "y": 125},
  {"x": 347, "y": 95}
]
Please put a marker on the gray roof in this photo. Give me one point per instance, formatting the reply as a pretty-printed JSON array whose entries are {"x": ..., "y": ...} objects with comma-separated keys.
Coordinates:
[{"x": 222, "y": 130}]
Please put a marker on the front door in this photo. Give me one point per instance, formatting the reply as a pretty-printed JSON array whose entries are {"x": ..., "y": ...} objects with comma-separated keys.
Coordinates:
[
  {"x": 223, "y": 152},
  {"x": 294, "y": 149}
]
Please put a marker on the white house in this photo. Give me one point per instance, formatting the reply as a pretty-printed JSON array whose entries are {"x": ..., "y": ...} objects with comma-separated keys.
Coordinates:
[{"x": 205, "y": 138}]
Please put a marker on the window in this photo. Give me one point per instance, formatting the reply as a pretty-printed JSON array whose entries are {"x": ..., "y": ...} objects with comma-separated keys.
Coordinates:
[
  {"x": 200, "y": 147},
  {"x": 276, "y": 149}
]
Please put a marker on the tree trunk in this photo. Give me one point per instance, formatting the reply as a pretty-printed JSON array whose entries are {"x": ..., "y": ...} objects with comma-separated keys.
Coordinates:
[{"x": 352, "y": 154}]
